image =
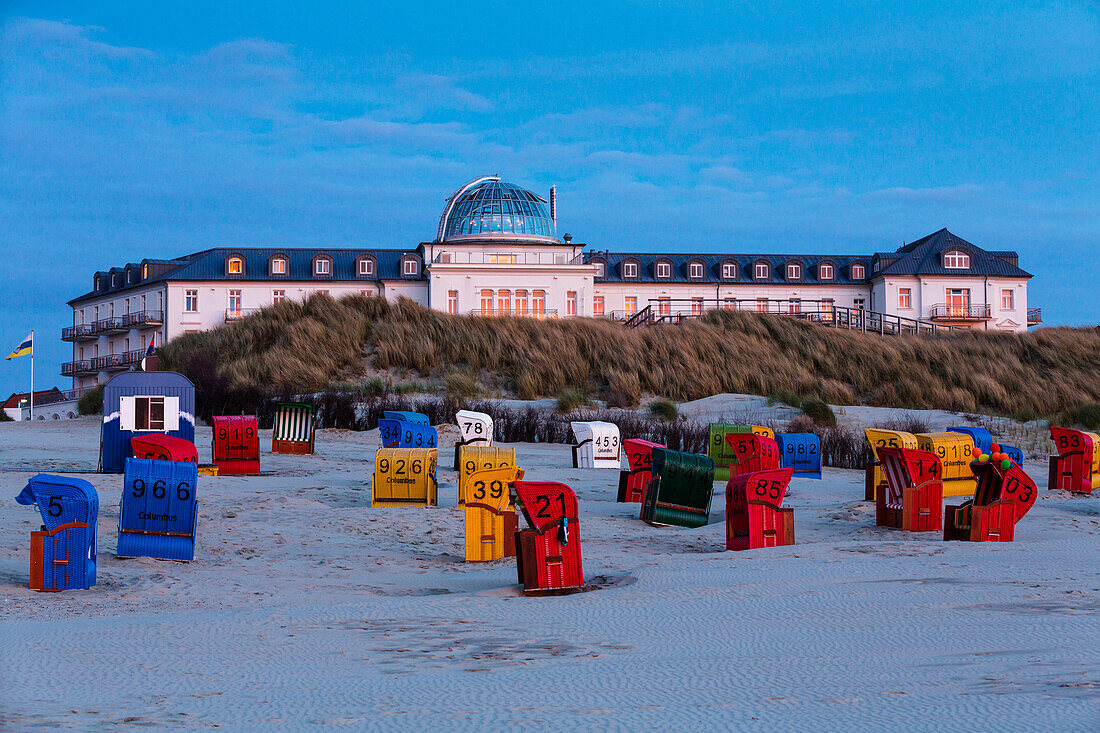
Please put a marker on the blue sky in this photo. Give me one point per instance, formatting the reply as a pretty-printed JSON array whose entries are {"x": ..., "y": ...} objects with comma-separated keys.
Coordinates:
[{"x": 131, "y": 130}]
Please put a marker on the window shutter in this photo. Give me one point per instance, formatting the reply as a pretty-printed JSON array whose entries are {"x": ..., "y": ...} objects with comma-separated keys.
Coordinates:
[
  {"x": 126, "y": 413},
  {"x": 171, "y": 413}
]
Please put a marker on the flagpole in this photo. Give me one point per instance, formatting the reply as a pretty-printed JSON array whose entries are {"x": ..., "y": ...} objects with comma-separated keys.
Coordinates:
[{"x": 32, "y": 376}]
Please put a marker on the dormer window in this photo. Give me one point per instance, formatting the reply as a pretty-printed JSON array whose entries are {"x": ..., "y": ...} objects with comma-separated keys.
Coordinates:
[
  {"x": 630, "y": 269},
  {"x": 279, "y": 265},
  {"x": 364, "y": 266},
  {"x": 114, "y": 281},
  {"x": 695, "y": 270},
  {"x": 825, "y": 271},
  {"x": 729, "y": 270},
  {"x": 144, "y": 272},
  {"x": 859, "y": 272},
  {"x": 601, "y": 268},
  {"x": 410, "y": 266},
  {"x": 98, "y": 282},
  {"x": 664, "y": 270},
  {"x": 234, "y": 265},
  {"x": 322, "y": 266},
  {"x": 956, "y": 260},
  {"x": 794, "y": 271},
  {"x": 761, "y": 270}
]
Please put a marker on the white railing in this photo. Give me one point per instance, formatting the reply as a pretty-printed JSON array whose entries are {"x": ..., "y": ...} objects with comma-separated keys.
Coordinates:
[{"x": 506, "y": 258}]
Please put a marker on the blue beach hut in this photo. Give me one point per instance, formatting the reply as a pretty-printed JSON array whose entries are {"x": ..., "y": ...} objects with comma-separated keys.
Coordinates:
[{"x": 139, "y": 403}]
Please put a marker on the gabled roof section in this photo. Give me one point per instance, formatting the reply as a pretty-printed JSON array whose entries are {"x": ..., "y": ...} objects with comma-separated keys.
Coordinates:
[{"x": 924, "y": 257}]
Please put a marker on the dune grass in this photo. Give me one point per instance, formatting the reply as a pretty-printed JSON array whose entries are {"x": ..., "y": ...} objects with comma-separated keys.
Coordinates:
[{"x": 292, "y": 348}]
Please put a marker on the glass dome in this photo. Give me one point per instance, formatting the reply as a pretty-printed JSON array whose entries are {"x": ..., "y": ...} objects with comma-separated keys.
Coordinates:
[{"x": 489, "y": 207}]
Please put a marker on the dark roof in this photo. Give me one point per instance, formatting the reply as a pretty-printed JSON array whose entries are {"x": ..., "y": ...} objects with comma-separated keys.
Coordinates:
[
  {"x": 16, "y": 397},
  {"x": 924, "y": 257},
  {"x": 712, "y": 267},
  {"x": 211, "y": 265}
]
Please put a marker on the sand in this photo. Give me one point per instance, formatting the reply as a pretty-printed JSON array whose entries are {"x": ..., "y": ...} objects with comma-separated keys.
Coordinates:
[{"x": 307, "y": 609}]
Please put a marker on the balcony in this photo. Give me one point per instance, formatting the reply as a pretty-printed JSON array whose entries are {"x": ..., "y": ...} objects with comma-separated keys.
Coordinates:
[
  {"x": 116, "y": 362},
  {"x": 111, "y": 325},
  {"x": 236, "y": 314},
  {"x": 83, "y": 332},
  {"x": 1034, "y": 316},
  {"x": 143, "y": 319},
  {"x": 517, "y": 258},
  {"x": 945, "y": 312},
  {"x": 541, "y": 315},
  {"x": 77, "y": 368}
]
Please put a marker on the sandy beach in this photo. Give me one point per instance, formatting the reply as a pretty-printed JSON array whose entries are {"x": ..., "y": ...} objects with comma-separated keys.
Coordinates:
[{"x": 305, "y": 608}]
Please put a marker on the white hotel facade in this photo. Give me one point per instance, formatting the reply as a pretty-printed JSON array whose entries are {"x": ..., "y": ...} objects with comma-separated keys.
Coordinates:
[{"x": 496, "y": 251}]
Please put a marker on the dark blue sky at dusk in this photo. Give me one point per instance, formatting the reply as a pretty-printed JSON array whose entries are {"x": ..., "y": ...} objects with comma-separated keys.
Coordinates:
[{"x": 131, "y": 130}]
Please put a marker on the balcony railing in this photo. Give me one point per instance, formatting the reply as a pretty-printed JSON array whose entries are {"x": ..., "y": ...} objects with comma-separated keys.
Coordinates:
[
  {"x": 1034, "y": 316},
  {"x": 236, "y": 314},
  {"x": 111, "y": 325},
  {"x": 518, "y": 258},
  {"x": 77, "y": 368},
  {"x": 108, "y": 363},
  {"x": 143, "y": 319},
  {"x": 83, "y": 332},
  {"x": 541, "y": 315},
  {"x": 946, "y": 312}
]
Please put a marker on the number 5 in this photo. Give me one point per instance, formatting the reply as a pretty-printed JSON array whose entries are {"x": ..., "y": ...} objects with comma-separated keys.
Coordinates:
[{"x": 54, "y": 504}]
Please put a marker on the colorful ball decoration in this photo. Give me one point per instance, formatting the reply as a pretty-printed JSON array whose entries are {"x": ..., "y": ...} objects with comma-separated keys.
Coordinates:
[
  {"x": 983, "y": 458},
  {"x": 995, "y": 448},
  {"x": 1006, "y": 464}
]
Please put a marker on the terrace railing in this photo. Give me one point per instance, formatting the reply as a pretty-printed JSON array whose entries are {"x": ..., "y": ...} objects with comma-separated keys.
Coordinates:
[{"x": 949, "y": 312}]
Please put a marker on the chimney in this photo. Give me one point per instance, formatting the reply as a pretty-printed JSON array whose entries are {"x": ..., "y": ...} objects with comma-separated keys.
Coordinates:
[{"x": 554, "y": 207}]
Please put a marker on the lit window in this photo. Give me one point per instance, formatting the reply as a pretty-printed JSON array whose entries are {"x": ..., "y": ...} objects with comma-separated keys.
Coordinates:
[
  {"x": 278, "y": 296},
  {"x": 452, "y": 302},
  {"x": 664, "y": 306},
  {"x": 825, "y": 272},
  {"x": 1008, "y": 300},
  {"x": 571, "y": 303},
  {"x": 696, "y": 306},
  {"x": 631, "y": 305},
  {"x": 322, "y": 266},
  {"x": 144, "y": 271},
  {"x": 486, "y": 302},
  {"x": 234, "y": 266},
  {"x": 504, "y": 302},
  {"x": 729, "y": 271},
  {"x": 695, "y": 270},
  {"x": 630, "y": 269},
  {"x": 664, "y": 269},
  {"x": 905, "y": 297},
  {"x": 521, "y": 303},
  {"x": 762, "y": 305},
  {"x": 599, "y": 269},
  {"x": 858, "y": 272},
  {"x": 956, "y": 260},
  {"x": 497, "y": 259},
  {"x": 366, "y": 267},
  {"x": 322, "y": 292},
  {"x": 190, "y": 302},
  {"x": 278, "y": 266},
  {"x": 597, "y": 305},
  {"x": 538, "y": 302},
  {"x": 827, "y": 308},
  {"x": 729, "y": 304},
  {"x": 761, "y": 270},
  {"x": 794, "y": 271},
  {"x": 794, "y": 305},
  {"x": 410, "y": 267},
  {"x": 235, "y": 301}
]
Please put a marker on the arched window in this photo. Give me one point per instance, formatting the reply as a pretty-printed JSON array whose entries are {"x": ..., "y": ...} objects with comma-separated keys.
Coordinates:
[
  {"x": 278, "y": 265},
  {"x": 234, "y": 265},
  {"x": 365, "y": 266},
  {"x": 956, "y": 260},
  {"x": 322, "y": 266},
  {"x": 858, "y": 271}
]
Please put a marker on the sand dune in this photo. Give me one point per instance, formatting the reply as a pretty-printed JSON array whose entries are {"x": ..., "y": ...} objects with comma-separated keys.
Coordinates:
[{"x": 305, "y": 608}]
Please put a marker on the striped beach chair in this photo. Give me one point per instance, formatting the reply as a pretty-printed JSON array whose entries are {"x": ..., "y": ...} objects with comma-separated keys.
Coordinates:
[{"x": 293, "y": 429}]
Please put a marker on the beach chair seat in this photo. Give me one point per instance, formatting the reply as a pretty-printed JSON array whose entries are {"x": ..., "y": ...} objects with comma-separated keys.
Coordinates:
[
  {"x": 404, "y": 477},
  {"x": 680, "y": 489},
  {"x": 875, "y": 480},
  {"x": 474, "y": 429},
  {"x": 1001, "y": 499},
  {"x": 596, "y": 444},
  {"x": 236, "y": 445},
  {"x": 417, "y": 418},
  {"x": 293, "y": 429},
  {"x": 491, "y": 521},
  {"x": 403, "y": 434},
  {"x": 548, "y": 553},
  {"x": 721, "y": 452},
  {"x": 801, "y": 452},
  {"x": 955, "y": 451},
  {"x": 752, "y": 453},
  {"x": 161, "y": 447},
  {"x": 480, "y": 458},
  {"x": 755, "y": 516},
  {"x": 633, "y": 481},
  {"x": 913, "y": 497},
  {"x": 1076, "y": 467},
  {"x": 63, "y": 553}
]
